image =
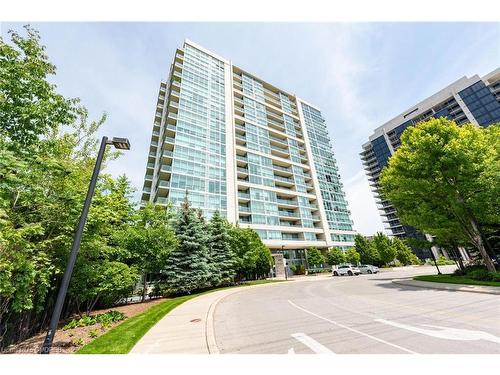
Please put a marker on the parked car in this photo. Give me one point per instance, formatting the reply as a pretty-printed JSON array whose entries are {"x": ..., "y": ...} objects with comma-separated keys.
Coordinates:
[
  {"x": 368, "y": 268},
  {"x": 346, "y": 270}
]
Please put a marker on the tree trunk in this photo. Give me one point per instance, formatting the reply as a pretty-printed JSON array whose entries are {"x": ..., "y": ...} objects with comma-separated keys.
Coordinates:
[
  {"x": 478, "y": 240},
  {"x": 144, "y": 286},
  {"x": 459, "y": 258},
  {"x": 435, "y": 262}
]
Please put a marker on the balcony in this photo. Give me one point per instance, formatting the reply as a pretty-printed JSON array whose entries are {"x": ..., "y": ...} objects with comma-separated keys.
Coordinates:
[
  {"x": 172, "y": 118},
  {"x": 284, "y": 179},
  {"x": 169, "y": 129},
  {"x": 240, "y": 127},
  {"x": 286, "y": 202},
  {"x": 242, "y": 170},
  {"x": 243, "y": 209},
  {"x": 169, "y": 140},
  {"x": 162, "y": 200},
  {"x": 164, "y": 184},
  {"x": 289, "y": 224},
  {"x": 280, "y": 168},
  {"x": 242, "y": 158},
  {"x": 241, "y": 139},
  {"x": 166, "y": 168},
  {"x": 288, "y": 214},
  {"x": 243, "y": 195},
  {"x": 281, "y": 151}
]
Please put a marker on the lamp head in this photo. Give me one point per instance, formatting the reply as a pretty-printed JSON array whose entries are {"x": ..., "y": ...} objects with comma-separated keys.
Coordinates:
[{"x": 121, "y": 143}]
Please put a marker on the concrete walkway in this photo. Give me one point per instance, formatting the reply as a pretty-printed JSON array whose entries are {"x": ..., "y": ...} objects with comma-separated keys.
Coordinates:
[
  {"x": 450, "y": 287},
  {"x": 188, "y": 329}
]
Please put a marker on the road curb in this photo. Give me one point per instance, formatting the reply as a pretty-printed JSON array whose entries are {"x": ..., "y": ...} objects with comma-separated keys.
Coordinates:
[
  {"x": 449, "y": 287},
  {"x": 209, "y": 325}
]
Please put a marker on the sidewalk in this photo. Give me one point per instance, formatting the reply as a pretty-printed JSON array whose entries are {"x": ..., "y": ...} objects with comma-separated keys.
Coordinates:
[
  {"x": 451, "y": 287},
  {"x": 187, "y": 329}
]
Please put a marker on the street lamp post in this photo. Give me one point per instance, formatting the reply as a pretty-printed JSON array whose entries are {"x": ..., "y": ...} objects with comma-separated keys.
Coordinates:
[{"x": 121, "y": 144}]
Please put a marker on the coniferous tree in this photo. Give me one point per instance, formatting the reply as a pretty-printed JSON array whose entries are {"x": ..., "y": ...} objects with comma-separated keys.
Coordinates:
[
  {"x": 187, "y": 268},
  {"x": 222, "y": 257}
]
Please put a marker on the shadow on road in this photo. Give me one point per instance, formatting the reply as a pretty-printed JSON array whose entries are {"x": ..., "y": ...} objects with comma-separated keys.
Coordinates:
[{"x": 411, "y": 288}]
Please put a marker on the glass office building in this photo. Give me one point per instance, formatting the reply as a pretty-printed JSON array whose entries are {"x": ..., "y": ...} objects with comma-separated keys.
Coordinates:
[
  {"x": 257, "y": 154},
  {"x": 473, "y": 100}
]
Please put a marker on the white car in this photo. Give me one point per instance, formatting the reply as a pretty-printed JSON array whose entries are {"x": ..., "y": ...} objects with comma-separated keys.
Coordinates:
[
  {"x": 346, "y": 270},
  {"x": 368, "y": 268}
]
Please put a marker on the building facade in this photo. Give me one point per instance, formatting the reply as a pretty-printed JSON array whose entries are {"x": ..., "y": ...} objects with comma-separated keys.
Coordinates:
[
  {"x": 260, "y": 156},
  {"x": 473, "y": 100}
]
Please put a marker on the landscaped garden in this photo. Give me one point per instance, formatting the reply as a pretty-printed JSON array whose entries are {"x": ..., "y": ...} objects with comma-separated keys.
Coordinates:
[{"x": 471, "y": 275}]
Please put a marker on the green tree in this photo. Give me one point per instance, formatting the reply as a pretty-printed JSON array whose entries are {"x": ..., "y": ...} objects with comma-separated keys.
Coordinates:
[
  {"x": 445, "y": 173},
  {"x": 367, "y": 251},
  {"x": 222, "y": 257},
  {"x": 102, "y": 281},
  {"x": 352, "y": 256},
  {"x": 47, "y": 153},
  {"x": 384, "y": 248},
  {"x": 29, "y": 104},
  {"x": 314, "y": 257},
  {"x": 253, "y": 258},
  {"x": 187, "y": 268},
  {"x": 102, "y": 275},
  {"x": 335, "y": 256},
  {"x": 404, "y": 253},
  {"x": 149, "y": 240}
]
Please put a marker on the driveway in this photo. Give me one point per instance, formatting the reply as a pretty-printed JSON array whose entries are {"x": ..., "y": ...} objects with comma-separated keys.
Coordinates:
[{"x": 359, "y": 314}]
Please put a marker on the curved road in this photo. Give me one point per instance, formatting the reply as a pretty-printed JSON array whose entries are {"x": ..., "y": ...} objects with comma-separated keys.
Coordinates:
[{"x": 364, "y": 314}]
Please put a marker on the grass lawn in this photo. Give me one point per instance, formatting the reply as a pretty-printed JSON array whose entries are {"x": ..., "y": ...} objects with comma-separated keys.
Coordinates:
[
  {"x": 122, "y": 338},
  {"x": 455, "y": 280}
]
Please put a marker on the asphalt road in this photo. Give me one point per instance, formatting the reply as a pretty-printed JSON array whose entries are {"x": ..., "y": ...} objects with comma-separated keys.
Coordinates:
[{"x": 364, "y": 314}]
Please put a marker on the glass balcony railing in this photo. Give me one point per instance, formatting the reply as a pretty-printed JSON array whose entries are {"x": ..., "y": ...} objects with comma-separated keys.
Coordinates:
[
  {"x": 287, "y": 201},
  {"x": 169, "y": 140}
]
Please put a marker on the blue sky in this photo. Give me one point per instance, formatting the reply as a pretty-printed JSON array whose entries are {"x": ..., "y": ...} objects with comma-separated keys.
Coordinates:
[{"x": 360, "y": 75}]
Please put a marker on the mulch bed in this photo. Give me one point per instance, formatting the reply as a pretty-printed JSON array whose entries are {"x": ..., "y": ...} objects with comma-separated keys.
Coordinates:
[{"x": 69, "y": 341}]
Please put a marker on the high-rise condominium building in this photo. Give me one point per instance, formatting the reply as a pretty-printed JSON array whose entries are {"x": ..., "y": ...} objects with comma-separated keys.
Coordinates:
[
  {"x": 475, "y": 100},
  {"x": 260, "y": 156}
]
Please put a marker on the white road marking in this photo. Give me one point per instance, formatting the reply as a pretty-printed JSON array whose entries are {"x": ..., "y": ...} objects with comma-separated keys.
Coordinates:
[
  {"x": 311, "y": 343},
  {"x": 445, "y": 332},
  {"x": 352, "y": 329},
  {"x": 291, "y": 351}
]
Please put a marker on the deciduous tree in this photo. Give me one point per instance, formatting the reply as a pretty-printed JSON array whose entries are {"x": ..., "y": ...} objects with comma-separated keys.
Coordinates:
[
  {"x": 443, "y": 172},
  {"x": 335, "y": 256}
]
